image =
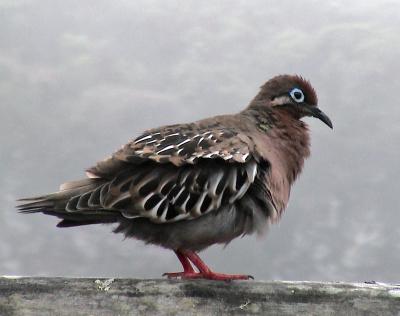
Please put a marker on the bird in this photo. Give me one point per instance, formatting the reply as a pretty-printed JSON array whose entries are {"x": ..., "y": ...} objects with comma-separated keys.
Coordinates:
[{"x": 188, "y": 186}]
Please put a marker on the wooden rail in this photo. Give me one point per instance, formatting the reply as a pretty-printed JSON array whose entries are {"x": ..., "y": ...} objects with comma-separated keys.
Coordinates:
[{"x": 83, "y": 296}]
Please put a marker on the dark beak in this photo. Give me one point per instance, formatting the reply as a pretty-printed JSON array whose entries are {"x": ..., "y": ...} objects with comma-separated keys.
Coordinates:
[{"x": 315, "y": 112}]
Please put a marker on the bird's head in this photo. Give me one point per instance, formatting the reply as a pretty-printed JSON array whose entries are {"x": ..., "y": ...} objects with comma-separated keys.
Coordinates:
[{"x": 293, "y": 94}]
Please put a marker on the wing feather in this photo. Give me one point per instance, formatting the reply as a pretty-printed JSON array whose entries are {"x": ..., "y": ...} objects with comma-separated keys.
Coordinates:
[
  {"x": 179, "y": 145},
  {"x": 172, "y": 173},
  {"x": 166, "y": 193}
]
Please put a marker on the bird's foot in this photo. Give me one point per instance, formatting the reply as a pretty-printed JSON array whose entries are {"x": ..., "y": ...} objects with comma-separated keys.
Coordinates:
[
  {"x": 208, "y": 276},
  {"x": 187, "y": 258},
  {"x": 182, "y": 275}
]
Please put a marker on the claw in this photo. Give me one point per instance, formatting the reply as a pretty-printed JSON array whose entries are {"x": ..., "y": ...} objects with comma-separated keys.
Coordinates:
[
  {"x": 208, "y": 276},
  {"x": 187, "y": 258}
]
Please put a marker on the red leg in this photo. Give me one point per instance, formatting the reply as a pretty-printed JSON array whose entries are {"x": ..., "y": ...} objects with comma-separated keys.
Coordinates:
[
  {"x": 204, "y": 271},
  {"x": 187, "y": 267}
]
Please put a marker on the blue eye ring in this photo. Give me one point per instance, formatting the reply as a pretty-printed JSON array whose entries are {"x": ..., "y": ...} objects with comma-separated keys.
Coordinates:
[{"x": 297, "y": 95}]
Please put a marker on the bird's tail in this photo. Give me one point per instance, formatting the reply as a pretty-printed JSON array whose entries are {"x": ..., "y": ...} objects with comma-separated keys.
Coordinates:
[{"x": 57, "y": 204}]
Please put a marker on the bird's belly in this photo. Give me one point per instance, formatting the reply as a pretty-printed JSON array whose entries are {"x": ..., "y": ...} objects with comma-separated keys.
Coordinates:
[{"x": 220, "y": 226}]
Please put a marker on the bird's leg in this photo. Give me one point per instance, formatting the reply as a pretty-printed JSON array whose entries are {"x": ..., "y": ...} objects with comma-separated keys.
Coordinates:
[
  {"x": 187, "y": 267},
  {"x": 207, "y": 273},
  {"x": 204, "y": 271}
]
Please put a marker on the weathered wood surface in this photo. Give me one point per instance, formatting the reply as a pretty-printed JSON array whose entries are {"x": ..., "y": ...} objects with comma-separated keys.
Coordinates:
[{"x": 69, "y": 296}]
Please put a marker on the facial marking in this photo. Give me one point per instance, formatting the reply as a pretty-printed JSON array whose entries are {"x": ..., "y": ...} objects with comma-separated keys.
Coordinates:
[{"x": 281, "y": 100}]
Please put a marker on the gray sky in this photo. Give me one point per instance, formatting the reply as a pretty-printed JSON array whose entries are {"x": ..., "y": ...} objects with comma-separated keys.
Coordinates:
[{"x": 80, "y": 78}]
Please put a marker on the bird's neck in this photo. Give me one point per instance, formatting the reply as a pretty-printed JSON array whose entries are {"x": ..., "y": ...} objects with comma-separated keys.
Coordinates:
[
  {"x": 286, "y": 139},
  {"x": 293, "y": 140}
]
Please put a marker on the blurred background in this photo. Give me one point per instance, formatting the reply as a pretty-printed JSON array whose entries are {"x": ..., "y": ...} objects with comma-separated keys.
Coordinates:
[{"x": 80, "y": 78}]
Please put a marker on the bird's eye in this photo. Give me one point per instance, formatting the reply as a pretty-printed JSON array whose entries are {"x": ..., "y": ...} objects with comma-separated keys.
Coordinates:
[{"x": 297, "y": 95}]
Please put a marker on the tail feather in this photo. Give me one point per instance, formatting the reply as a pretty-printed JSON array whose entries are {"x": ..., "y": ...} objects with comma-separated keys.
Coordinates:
[
  {"x": 71, "y": 204},
  {"x": 34, "y": 206},
  {"x": 58, "y": 200},
  {"x": 84, "y": 183},
  {"x": 39, "y": 204},
  {"x": 65, "y": 223}
]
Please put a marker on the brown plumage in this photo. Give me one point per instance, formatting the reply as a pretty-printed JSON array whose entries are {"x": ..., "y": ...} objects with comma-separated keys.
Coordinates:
[{"x": 188, "y": 186}]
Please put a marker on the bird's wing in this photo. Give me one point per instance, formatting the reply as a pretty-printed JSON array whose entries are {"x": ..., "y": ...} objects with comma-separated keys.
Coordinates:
[
  {"x": 173, "y": 174},
  {"x": 179, "y": 145},
  {"x": 164, "y": 192}
]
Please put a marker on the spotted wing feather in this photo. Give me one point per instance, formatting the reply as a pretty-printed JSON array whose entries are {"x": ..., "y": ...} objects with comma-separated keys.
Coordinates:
[
  {"x": 179, "y": 145},
  {"x": 164, "y": 192},
  {"x": 185, "y": 146},
  {"x": 173, "y": 173}
]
